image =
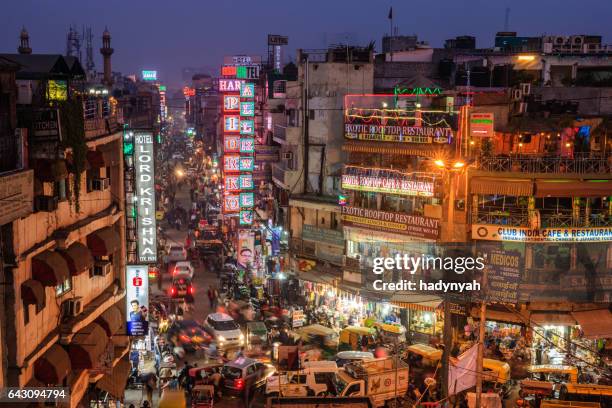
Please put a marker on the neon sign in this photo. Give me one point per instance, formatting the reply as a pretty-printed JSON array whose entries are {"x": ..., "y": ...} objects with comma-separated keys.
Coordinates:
[
  {"x": 187, "y": 91},
  {"x": 245, "y": 182},
  {"x": 228, "y": 71},
  {"x": 230, "y": 85},
  {"x": 231, "y": 144},
  {"x": 247, "y": 90},
  {"x": 231, "y": 203},
  {"x": 231, "y": 103},
  {"x": 232, "y": 182},
  {"x": 246, "y": 217},
  {"x": 247, "y": 200},
  {"x": 149, "y": 75},
  {"x": 247, "y": 127},
  {"x": 231, "y": 123},
  {"x": 416, "y": 91},
  {"x": 231, "y": 163},
  {"x": 246, "y": 164},
  {"x": 247, "y": 108},
  {"x": 247, "y": 145}
]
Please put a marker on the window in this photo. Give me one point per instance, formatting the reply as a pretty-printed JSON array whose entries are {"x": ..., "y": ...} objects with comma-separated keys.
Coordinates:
[
  {"x": 311, "y": 114},
  {"x": 61, "y": 289},
  {"x": 26, "y": 313}
]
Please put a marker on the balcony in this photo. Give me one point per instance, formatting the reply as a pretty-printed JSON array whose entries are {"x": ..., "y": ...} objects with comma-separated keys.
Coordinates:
[
  {"x": 97, "y": 127},
  {"x": 309, "y": 249},
  {"x": 279, "y": 89},
  {"x": 562, "y": 218},
  {"x": 280, "y": 133},
  {"x": 287, "y": 134},
  {"x": 580, "y": 164},
  {"x": 284, "y": 177}
]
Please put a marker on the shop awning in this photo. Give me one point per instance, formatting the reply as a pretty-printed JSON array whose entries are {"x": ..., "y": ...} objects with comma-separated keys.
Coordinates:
[
  {"x": 415, "y": 302},
  {"x": 405, "y": 149},
  {"x": 33, "y": 293},
  {"x": 103, "y": 242},
  {"x": 552, "y": 319},
  {"x": 50, "y": 170},
  {"x": 87, "y": 346},
  {"x": 114, "y": 383},
  {"x": 95, "y": 159},
  {"x": 78, "y": 257},
  {"x": 573, "y": 188},
  {"x": 595, "y": 324},
  {"x": 49, "y": 268},
  {"x": 110, "y": 320},
  {"x": 500, "y": 316},
  {"x": 53, "y": 366},
  {"x": 500, "y": 186}
]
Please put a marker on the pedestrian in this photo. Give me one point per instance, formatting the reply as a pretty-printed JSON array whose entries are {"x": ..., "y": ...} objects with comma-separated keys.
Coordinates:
[
  {"x": 150, "y": 385},
  {"x": 211, "y": 296},
  {"x": 538, "y": 353}
]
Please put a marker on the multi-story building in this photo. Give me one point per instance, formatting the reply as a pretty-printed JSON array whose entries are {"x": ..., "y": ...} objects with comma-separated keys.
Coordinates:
[{"x": 62, "y": 238}]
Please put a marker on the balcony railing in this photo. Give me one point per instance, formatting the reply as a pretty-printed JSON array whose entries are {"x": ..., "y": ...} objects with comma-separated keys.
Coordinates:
[
  {"x": 548, "y": 219},
  {"x": 279, "y": 89},
  {"x": 580, "y": 164},
  {"x": 97, "y": 127}
]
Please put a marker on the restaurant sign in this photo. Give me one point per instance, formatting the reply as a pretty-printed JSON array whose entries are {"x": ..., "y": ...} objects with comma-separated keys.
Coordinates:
[
  {"x": 17, "y": 195},
  {"x": 391, "y": 185},
  {"x": 399, "y": 223},
  {"x": 524, "y": 234},
  {"x": 394, "y": 133}
]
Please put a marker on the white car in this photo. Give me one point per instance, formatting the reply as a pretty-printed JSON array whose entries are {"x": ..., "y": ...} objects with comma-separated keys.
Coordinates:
[
  {"x": 224, "y": 330},
  {"x": 183, "y": 269},
  {"x": 175, "y": 253}
]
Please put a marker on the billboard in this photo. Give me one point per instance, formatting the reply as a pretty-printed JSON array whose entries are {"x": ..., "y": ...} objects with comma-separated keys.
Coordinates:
[
  {"x": 145, "y": 195},
  {"x": 482, "y": 125},
  {"x": 246, "y": 247},
  {"x": 275, "y": 39},
  {"x": 148, "y": 75},
  {"x": 137, "y": 299}
]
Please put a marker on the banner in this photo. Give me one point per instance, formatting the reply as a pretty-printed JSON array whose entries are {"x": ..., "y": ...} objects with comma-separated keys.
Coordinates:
[
  {"x": 144, "y": 162},
  {"x": 246, "y": 250},
  {"x": 462, "y": 373},
  {"x": 525, "y": 234},
  {"x": 137, "y": 299}
]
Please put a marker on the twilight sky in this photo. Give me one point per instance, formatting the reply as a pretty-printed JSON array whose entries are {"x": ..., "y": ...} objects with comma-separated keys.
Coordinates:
[{"x": 168, "y": 35}]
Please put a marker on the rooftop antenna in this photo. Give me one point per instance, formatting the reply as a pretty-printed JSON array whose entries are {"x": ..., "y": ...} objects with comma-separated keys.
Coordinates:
[
  {"x": 89, "y": 61},
  {"x": 73, "y": 43},
  {"x": 507, "y": 19}
]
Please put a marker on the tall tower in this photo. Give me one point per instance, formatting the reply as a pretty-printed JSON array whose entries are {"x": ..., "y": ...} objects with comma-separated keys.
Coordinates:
[
  {"x": 24, "y": 42},
  {"x": 106, "y": 52}
]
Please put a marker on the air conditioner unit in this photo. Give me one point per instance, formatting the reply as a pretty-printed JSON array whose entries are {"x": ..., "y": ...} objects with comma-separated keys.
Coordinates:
[
  {"x": 72, "y": 308},
  {"x": 526, "y": 88},
  {"x": 577, "y": 40},
  {"x": 287, "y": 156},
  {"x": 45, "y": 203},
  {"x": 559, "y": 40},
  {"x": 102, "y": 268},
  {"x": 100, "y": 184},
  {"x": 517, "y": 95}
]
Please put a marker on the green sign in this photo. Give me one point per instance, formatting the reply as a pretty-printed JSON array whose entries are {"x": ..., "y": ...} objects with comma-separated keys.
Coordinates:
[
  {"x": 247, "y": 108},
  {"x": 417, "y": 91}
]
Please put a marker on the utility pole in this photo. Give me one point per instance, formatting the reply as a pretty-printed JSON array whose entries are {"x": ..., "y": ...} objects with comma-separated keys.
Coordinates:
[
  {"x": 481, "y": 336},
  {"x": 305, "y": 124}
]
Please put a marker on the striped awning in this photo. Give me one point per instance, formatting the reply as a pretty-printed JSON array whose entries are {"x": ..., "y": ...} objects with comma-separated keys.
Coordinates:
[
  {"x": 426, "y": 303},
  {"x": 501, "y": 186},
  {"x": 405, "y": 149}
]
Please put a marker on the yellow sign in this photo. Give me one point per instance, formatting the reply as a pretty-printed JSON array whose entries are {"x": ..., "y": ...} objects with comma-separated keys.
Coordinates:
[
  {"x": 524, "y": 234},
  {"x": 159, "y": 215}
]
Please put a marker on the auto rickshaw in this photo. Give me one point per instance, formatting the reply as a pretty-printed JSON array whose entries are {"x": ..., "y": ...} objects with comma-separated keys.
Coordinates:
[
  {"x": 321, "y": 336},
  {"x": 496, "y": 374},
  {"x": 202, "y": 396},
  {"x": 256, "y": 333},
  {"x": 172, "y": 399},
  {"x": 350, "y": 337},
  {"x": 391, "y": 333},
  {"x": 546, "y": 379},
  {"x": 430, "y": 356}
]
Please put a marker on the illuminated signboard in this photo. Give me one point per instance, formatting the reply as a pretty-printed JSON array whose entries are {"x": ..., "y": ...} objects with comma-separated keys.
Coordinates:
[
  {"x": 232, "y": 182},
  {"x": 162, "y": 88},
  {"x": 405, "y": 134},
  {"x": 149, "y": 75},
  {"x": 247, "y": 200},
  {"x": 247, "y": 90},
  {"x": 231, "y": 203},
  {"x": 247, "y": 145},
  {"x": 137, "y": 300},
  {"x": 387, "y": 183},
  {"x": 525, "y": 234},
  {"x": 416, "y": 91},
  {"x": 231, "y": 123},
  {"x": 57, "y": 90},
  {"x": 247, "y": 127},
  {"x": 245, "y": 182},
  {"x": 246, "y": 217},
  {"x": 482, "y": 125},
  {"x": 247, "y": 72},
  {"x": 246, "y": 164},
  {"x": 145, "y": 192},
  {"x": 231, "y": 103},
  {"x": 187, "y": 91},
  {"x": 228, "y": 70},
  {"x": 247, "y": 108},
  {"x": 231, "y": 144},
  {"x": 230, "y": 85},
  {"x": 231, "y": 162}
]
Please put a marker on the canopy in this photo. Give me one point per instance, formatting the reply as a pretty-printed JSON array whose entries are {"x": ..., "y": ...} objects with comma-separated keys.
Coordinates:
[
  {"x": 103, "y": 242},
  {"x": 78, "y": 257},
  {"x": 49, "y": 268},
  {"x": 412, "y": 301},
  {"x": 595, "y": 324},
  {"x": 110, "y": 320},
  {"x": 573, "y": 188},
  {"x": 115, "y": 382},
  {"x": 33, "y": 293},
  {"x": 53, "y": 366},
  {"x": 552, "y": 319},
  {"x": 500, "y": 186},
  {"x": 87, "y": 346}
]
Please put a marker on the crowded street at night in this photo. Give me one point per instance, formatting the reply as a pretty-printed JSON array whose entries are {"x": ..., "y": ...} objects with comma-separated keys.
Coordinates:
[{"x": 313, "y": 204}]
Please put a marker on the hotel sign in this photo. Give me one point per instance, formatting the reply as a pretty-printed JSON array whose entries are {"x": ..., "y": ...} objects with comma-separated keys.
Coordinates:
[
  {"x": 402, "y": 134},
  {"x": 392, "y": 185},
  {"x": 406, "y": 224},
  {"x": 524, "y": 234},
  {"x": 145, "y": 193},
  {"x": 230, "y": 85}
]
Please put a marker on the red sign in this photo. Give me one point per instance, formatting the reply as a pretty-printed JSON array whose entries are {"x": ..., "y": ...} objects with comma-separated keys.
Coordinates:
[
  {"x": 232, "y": 182},
  {"x": 231, "y": 163},
  {"x": 230, "y": 85},
  {"x": 231, "y": 103},
  {"x": 231, "y": 144},
  {"x": 137, "y": 281},
  {"x": 187, "y": 91},
  {"x": 231, "y": 203},
  {"x": 398, "y": 223},
  {"x": 228, "y": 71}
]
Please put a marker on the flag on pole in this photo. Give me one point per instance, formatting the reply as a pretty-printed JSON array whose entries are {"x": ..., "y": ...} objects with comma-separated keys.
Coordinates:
[{"x": 390, "y": 17}]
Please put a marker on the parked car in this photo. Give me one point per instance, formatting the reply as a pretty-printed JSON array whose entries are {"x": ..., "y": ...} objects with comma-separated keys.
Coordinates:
[
  {"x": 243, "y": 373},
  {"x": 183, "y": 269},
  {"x": 175, "y": 253},
  {"x": 224, "y": 330}
]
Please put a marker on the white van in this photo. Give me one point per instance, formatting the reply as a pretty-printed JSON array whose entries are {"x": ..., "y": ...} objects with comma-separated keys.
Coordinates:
[{"x": 313, "y": 379}]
